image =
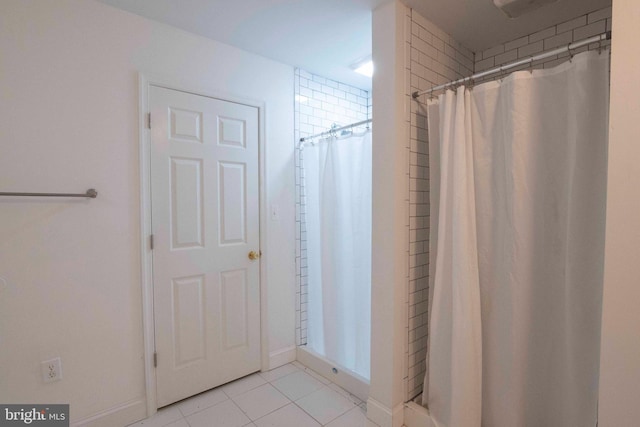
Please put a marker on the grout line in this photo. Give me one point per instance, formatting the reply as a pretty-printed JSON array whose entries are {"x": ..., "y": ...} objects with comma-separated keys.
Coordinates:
[{"x": 346, "y": 395}]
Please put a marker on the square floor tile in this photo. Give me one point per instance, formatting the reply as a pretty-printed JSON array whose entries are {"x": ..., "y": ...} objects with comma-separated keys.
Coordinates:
[
  {"x": 352, "y": 397},
  {"x": 180, "y": 423},
  {"x": 311, "y": 372},
  {"x": 260, "y": 401},
  {"x": 225, "y": 414},
  {"x": 161, "y": 418},
  {"x": 201, "y": 401},
  {"x": 243, "y": 385},
  {"x": 298, "y": 365},
  {"x": 354, "y": 418},
  {"x": 279, "y": 372},
  {"x": 297, "y": 385},
  {"x": 325, "y": 405},
  {"x": 288, "y": 416}
]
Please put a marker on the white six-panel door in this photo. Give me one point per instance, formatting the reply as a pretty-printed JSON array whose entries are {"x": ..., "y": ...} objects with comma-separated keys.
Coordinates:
[{"x": 204, "y": 186}]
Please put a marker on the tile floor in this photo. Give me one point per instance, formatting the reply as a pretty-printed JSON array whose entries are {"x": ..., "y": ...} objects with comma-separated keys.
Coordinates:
[{"x": 289, "y": 396}]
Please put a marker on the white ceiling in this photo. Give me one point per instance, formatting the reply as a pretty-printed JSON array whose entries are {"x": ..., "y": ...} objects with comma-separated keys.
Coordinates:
[
  {"x": 321, "y": 36},
  {"x": 325, "y": 37},
  {"x": 479, "y": 25}
]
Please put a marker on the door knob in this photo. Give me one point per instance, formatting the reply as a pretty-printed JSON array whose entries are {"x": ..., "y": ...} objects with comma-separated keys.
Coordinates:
[{"x": 253, "y": 255}]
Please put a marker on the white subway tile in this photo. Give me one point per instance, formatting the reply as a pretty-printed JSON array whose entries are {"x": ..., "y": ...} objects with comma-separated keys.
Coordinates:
[
  {"x": 485, "y": 64},
  {"x": 596, "y": 28},
  {"x": 354, "y": 91},
  {"x": 332, "y": 84},
  {"x": 558, "y": 40},
  {"x": 320, "y": 96},
  {"x": 425, "y": 35},
  {"x": 314, "y": 86},
  {"x": 437, "y": 43},
  {"x": 540, "y": 35},
  {"x": 343, "y": 87},
  {"x": 415, "y": 28},
  {"x": 338, "y": 96},
  {"x": 466, "y": 62},
  {"x": 599, "y": 15},
  {"x": 305, "y": 74},
  {"x": 530, "y": 49},
  {"x": 516, "y": 43},
  {"x": 318, "y": 79},
  {"x": 450, "y": 51},
  {"x": 506, "y": 57},
  {"x": 496, "y": 50},
  {"x": 305, "y": 92},
  {"x": 574, "y": 23}
]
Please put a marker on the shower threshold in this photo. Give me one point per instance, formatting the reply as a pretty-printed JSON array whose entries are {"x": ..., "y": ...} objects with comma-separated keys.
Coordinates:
[{"x": 345, "y": 378}]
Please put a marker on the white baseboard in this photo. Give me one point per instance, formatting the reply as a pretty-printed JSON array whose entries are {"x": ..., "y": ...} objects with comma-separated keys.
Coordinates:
[
  {"x": 117, "y": 416},
  {"x": 417, "y": 416},
  {"x": 384, "y": 416},
  {"x": 348, "y": 380},
  {"x": 282, "y": 356},
  {"x": 378, "y": 413},
  {"x": 398, "y": 416}
]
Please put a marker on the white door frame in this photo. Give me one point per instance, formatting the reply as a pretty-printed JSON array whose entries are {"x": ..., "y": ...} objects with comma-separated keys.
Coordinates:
[{"x": 145, "y": 81}]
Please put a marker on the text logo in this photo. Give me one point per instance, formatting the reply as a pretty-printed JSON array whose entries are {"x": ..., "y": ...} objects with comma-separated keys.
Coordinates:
[{"x": 34, "y": 415}]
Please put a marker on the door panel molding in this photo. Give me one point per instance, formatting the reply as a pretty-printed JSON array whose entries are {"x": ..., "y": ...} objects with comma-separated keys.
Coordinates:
[{"x": 190, "y": 135}]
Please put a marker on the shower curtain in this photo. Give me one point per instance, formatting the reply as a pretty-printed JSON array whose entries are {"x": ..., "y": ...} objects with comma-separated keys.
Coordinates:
[
  {"x": 337, "y": 189},
  {"x": 524, "y": 161}
]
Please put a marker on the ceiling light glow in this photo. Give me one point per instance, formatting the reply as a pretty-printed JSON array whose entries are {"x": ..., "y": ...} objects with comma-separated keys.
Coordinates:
[{"x": 366, "y": 69}]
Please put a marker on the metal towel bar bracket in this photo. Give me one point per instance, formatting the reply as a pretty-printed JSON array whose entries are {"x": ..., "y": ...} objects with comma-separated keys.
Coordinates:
[{"x": 90, "y": 194}]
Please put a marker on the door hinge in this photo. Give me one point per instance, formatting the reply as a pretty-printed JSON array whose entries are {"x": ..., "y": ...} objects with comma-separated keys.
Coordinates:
[
  {"x": 155, "y": 360},
  {"x": 151, "y": 241},
  {"x": 148, "y": 120}
]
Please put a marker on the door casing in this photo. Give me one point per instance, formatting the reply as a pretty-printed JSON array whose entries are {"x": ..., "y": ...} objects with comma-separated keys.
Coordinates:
[{"x": 145, "y": 81}]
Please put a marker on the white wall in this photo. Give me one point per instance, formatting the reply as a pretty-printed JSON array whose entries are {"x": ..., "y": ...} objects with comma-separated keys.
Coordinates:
[
  {"x": 390, "y": 247},
  {"x": 620, "y": 352},
  {"x": 69, "y": 121}
]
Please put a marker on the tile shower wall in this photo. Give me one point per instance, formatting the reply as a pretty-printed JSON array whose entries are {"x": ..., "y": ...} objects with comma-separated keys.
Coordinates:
[
  {"x": 550, "y": 38},
  {"x": 432, "y": 57},
  {"x": 319, "y": 104}
]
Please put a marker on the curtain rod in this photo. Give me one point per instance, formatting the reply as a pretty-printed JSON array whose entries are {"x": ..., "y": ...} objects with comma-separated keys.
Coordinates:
[
  {"x": 502, "y": 68},
  {"x": 332, "y": 131}
]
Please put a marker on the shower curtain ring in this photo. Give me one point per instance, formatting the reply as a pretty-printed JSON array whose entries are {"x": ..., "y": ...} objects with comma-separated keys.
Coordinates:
[
  {"x": 501, "y": 75},
  {"x": 332, "y": 131},
  {"x": 431, "y": 92},
  {"x": 571, "y": 54}
]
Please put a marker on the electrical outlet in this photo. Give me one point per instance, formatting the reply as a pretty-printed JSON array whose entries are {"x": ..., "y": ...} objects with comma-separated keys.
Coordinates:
[{"x": 51, "y": 370}]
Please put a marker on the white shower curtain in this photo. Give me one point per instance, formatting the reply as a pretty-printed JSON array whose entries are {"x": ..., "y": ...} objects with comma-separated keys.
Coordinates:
[
  {"x": 337, "y": 187},
  {"x": 526, "y": 353}
]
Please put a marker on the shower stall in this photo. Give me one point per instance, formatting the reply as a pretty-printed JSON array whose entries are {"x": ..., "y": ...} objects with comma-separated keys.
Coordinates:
[
  {"x": 507, "y": 258},
  {"x": 333, "y": 180}
]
